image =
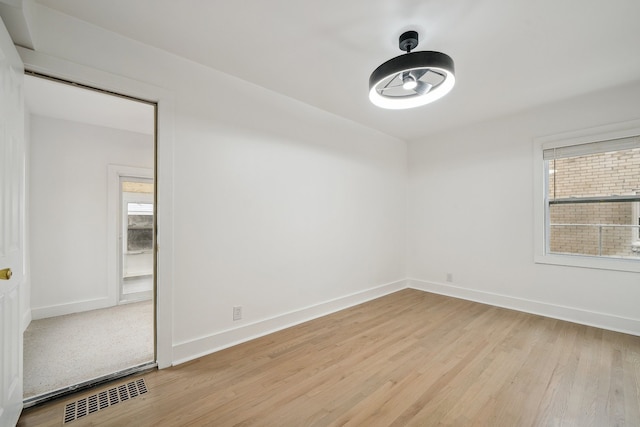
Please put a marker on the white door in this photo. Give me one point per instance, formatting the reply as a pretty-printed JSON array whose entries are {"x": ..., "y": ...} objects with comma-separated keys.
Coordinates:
[{"x": 12, "y": 163}]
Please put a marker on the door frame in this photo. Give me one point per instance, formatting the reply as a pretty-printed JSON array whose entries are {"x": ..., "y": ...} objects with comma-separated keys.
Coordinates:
[{"x": 164, "y": 130}]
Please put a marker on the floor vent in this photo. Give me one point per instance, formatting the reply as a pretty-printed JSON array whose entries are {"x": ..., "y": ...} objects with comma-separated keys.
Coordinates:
[{"x": 101, "y": 400}]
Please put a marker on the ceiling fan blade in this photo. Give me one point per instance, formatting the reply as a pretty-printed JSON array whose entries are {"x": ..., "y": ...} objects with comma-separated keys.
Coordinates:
[
  {"x": 397, "y": 76},
  {"x": 389, "y": 87},
  {"x": 422, "y": 88},
  {"x": 433, "y": 77},
  {"x": 417, "y": 74}
]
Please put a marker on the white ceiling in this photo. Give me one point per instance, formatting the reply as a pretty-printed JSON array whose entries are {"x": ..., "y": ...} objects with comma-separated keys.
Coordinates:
[
  {"x": 510, "y": 55},
  {"x": 49, "y": 98}
]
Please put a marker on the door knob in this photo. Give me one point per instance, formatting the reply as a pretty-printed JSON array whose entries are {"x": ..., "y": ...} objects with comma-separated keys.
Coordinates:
[{"x": 5, "y": 274}]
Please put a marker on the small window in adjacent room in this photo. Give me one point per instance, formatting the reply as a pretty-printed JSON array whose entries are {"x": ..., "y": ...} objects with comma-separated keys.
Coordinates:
[
  {"x": 591, "y": 203},
  {"x": 636, "y": 218},
  {"x": 139, "y": 227}
]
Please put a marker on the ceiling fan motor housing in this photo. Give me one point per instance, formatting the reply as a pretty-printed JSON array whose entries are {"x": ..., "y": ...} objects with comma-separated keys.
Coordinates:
[{"x": 408, "y": 41}]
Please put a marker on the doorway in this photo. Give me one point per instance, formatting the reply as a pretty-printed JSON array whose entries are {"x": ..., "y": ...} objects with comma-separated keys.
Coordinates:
[{"x": 86, "y": 327}]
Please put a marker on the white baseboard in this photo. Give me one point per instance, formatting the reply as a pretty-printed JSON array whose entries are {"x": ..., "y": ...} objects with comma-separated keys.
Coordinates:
[
  {"x": 570, "y": 314},
  {"x": 70, "y": 308},
  {"x": 193, "y": 349}
]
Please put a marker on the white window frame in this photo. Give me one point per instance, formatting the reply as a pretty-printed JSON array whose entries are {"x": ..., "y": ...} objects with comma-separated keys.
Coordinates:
[
  {"x": 540, "y": 176},
  {"x": 636, "y": 220},
  {"x": 114, "y": 223}
]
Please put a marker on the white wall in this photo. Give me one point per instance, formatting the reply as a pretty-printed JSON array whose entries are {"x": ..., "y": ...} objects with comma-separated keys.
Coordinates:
[
  {"x": 68, "y": 210},
  {"x": 279, "y": 207},
  {"x": 471, "y": 215}
]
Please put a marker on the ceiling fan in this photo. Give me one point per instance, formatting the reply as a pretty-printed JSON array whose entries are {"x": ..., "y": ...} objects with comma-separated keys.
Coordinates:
[{"x": 413, "y": 79}]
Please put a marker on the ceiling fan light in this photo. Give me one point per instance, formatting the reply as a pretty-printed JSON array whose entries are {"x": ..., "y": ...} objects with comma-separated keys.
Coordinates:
[{"x": 409, "y": 83}]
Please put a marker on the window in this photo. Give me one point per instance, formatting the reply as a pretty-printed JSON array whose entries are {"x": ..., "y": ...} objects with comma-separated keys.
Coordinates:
[
  {"x": 139, "y": 227},
  {"x": 590, "y": 214}
]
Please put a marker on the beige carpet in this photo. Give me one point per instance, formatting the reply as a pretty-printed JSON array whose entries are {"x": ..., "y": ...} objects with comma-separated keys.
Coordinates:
[{"x": 67, "y": 350}]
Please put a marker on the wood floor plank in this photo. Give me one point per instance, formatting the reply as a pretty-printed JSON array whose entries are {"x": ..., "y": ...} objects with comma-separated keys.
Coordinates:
[{"x": 409, "y": 358}]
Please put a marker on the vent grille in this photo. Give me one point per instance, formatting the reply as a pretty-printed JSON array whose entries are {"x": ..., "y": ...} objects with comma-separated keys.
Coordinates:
[{"x": 101, "y": 400}]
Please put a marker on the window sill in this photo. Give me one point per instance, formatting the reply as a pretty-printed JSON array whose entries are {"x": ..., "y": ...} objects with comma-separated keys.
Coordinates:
[{"x": 581, "y": 261}]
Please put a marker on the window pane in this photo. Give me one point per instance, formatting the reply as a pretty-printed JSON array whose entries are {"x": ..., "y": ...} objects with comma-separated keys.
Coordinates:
[
  {"x": 600, "y": 229},
  {"x": 602, "y": 174},
  {"x": 139, "y": 226},
  {"x": 137, "y": 187}
]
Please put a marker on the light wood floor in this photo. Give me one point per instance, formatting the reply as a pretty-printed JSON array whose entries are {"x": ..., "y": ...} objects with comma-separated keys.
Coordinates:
[{"x": 410, "y": 358}]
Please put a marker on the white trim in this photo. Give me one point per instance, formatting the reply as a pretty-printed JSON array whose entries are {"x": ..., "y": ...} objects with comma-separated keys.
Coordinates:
[
  {"x": 569, "y": 314},
  {"x": 70, "y": 308},
  {"x": 636, "y": 220},
  {"x": 599, "y": 263},
  {"x": 56, "y": 67},
  {"x": 584, "y": 136},
  {"x": 203, "y": 346},
  {"x": 27, "y": 317}
]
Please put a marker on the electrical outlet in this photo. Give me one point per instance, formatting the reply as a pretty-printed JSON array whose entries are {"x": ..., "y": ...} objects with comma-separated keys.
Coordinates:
[
  {"x": 237, "y": 312},
  {"x": 450, "y": 277}
]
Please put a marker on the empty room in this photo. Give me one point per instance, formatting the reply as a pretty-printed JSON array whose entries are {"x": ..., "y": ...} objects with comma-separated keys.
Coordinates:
[{"x": 361, "y": 213}]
